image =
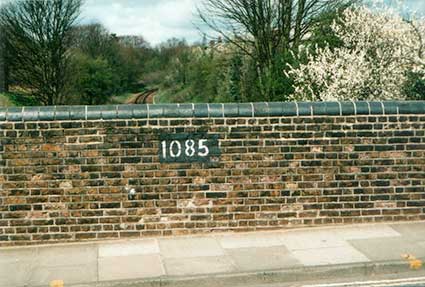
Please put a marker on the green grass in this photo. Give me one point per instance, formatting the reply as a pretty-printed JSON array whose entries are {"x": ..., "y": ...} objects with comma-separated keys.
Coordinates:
[
  {"x": 17, "y": 100},
  {"x": 5, "y": 101},
  {"x": 119, "y": 99},
  {"x": 23, "y": 100}
]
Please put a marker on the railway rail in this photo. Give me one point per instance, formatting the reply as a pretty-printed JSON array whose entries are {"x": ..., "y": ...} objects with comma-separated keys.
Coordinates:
[{"x": 146, "y": 97}]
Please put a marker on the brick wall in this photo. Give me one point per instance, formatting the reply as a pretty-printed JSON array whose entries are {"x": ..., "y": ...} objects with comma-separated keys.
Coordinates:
[{"x": 66, "y": 172}]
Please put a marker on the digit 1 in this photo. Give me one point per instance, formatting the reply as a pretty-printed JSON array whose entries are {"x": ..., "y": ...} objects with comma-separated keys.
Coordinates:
[{"x": 164, "y": 149}]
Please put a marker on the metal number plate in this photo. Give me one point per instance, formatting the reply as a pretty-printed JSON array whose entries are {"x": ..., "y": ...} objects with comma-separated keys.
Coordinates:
[{"x": 184, "y": 148}]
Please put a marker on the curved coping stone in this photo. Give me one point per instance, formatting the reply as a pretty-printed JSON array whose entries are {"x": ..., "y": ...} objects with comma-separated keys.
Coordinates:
[{"x": 264, "y": 109}]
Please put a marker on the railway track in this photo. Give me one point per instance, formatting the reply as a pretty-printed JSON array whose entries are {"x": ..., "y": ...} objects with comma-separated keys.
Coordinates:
[{"x": 144, "y": 98}]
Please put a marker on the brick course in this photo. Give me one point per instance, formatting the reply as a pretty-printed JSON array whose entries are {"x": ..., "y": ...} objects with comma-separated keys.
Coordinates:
[{"x": 65, "y": 171}]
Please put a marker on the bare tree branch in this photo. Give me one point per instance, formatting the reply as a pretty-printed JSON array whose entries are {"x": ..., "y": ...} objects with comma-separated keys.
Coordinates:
[
  {"x": 37, "y": 38},
  {"x": 262, "y": 29}
]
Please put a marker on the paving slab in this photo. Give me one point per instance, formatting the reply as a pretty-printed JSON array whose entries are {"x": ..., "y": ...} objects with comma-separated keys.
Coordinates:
[
  {"x": 15, "y": 255},
  {"x": 265, "y": 258},
  {"x": 311, "y": 240},
  {"x": 329, "y": 256},
  {"x": 365, "y": 232},
  {"x": 130, "y": 267},
  {"x": 16, "y": 274},
  {"x": 415, "y": 231},
  {"x": 250, "y": 240},
  {"x": 129, "y": 248},
  {"x": 71, "y": 255},
  {"x": 389, "y": 248},
  {"x": 70, "y": 275},
  {"x": 198, "y": 265},
  {"x": 94, "y": 264},
  {"x": 16, "y": 266},
  {"x": 190, "y": 247}
]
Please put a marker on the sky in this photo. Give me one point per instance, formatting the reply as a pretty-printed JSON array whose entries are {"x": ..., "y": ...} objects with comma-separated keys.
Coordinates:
[
  {"x": 159, "y": 20},
  {"x": 155, "y": 20}
]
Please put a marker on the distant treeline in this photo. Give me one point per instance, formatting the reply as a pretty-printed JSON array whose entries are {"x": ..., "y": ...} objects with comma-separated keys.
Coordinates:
[{"x": 264, "y": 50}]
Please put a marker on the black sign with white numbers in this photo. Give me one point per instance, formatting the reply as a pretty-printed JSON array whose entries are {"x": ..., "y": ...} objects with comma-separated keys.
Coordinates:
[{"x": 182, "y": 148}]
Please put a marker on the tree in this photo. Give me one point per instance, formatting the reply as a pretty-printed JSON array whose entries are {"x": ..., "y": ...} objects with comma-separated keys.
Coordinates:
[
  {"x": 93, "y": 40},
  {"x": 3, "y": 78},
  {"x": 379, "y": 51},
  {"x": 235, "y": 76},
  {"x": 264, "y": 29},
  {"x": 127, "y": 65},
  {"x": 37, "y": 37},
  {"x": 95, "y": 80},
  {"x": 122, "y": 55},
  {"x": 414, "y": 88},
  {"x": 4, "y": 70},
  {"x": 133, "y": 41}
]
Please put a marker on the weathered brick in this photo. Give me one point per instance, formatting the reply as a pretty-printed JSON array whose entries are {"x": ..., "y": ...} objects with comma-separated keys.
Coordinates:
[
  {"x": 69, "y": 180},
  {"x": 85, "y": 235}
]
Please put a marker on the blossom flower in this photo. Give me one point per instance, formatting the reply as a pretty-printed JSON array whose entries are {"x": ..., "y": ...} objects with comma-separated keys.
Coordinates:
[{"x": 379, "y": 49}]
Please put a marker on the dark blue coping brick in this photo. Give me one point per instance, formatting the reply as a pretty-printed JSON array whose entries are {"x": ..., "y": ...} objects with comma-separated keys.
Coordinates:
[
  {"x": 94, "y": 112},
  {"x": 261, "y": 110},
  {"x": 412, "y": 107},
  {"x": 305, "y": 108},
  {"x": 376, "y": 108},
  {"x": 289, "y": 109},
  {"x": 14, "y": 114},
  {"x": 275, "y": 108},
  {"x": 125, "y": 112},
  {"x": 216, "y": 110},
  {"x": 319, "y": 108},
  {"x": 333, "y": 108},
  {"x": 157, "y": 111},
  {"x": 362, "y": 108},
  {"x": 391, "y": 108},
  {"x": 419, "y": 107},
  {"x": 31, "y": 114},
  {"x": 186, "y": 110},
  {"x": 3, "y": 112},
  {"x": 246, "y": 109},
  {"x": 231, "y": 110},
  {"x": 209, "y": 110},
  {"x": 46, "y": 113},
  {"x": 109, "y": 112},
  {"x": 140, "y": 111},
  {"x": 63, "y": 113},
  {"x": 78, "y": 112},
  {"x": 201, "y": 111},
  {"x": 347, "y": 108},
  {"x": 170, "y": 110},
  {"x": 322, "y": 108}
]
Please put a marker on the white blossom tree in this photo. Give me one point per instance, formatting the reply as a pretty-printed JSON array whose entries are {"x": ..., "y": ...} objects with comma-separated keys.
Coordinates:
[{"x": 379, "y": 49}]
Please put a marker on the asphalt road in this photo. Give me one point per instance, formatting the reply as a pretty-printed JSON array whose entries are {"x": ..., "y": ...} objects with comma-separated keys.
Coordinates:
[{"x": 404, "y": 282}]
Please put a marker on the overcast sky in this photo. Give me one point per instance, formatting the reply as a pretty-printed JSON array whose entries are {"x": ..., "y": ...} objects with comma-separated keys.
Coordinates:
[
  {"x": 155, "y": 20},
  {"x": 159, "y": 20}
]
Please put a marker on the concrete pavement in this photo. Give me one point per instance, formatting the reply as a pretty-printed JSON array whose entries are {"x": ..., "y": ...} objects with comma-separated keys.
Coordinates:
[{"x": 220, "y": 259}]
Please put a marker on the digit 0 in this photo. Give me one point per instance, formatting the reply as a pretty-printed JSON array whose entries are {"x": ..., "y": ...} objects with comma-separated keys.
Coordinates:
[{"x": 172, "y": 147}]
